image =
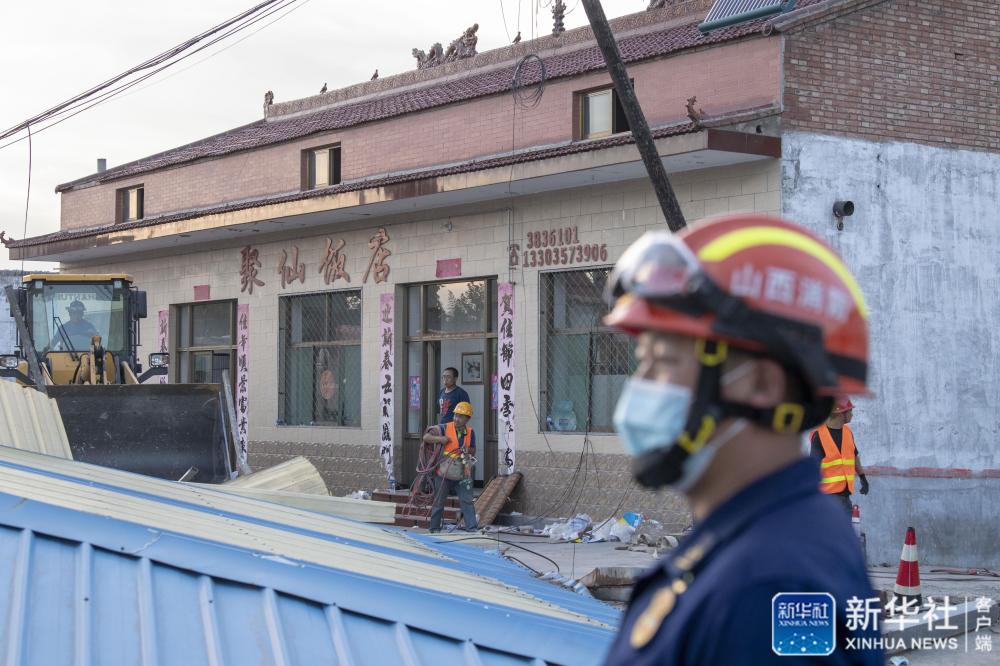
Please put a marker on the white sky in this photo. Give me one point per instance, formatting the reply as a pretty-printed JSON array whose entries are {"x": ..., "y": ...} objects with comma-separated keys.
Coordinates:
[{"x": 50, "y": 51}]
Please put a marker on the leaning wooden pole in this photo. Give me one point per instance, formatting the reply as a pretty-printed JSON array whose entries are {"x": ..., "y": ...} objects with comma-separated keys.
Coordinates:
[{"x": 633, "y": 112}]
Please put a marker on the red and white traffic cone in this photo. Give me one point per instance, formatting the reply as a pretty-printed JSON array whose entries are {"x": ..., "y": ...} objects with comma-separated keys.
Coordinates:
[
  {"x": 856, "y": 523},
  {"x": 908, "y": 579}
]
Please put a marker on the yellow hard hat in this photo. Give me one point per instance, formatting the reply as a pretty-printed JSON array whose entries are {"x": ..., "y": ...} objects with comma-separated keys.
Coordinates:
[{"x": 464, "y": 408}]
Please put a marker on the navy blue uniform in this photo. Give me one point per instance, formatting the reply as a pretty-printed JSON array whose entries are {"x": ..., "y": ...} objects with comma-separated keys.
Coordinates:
[
  {"x": 709, "y": 601},
  {"x": 448, "y": 400}
]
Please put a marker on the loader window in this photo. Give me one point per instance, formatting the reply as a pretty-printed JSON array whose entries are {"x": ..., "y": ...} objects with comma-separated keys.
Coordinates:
[
  {"x": 64, "y": 317},
  {"x": 321, "y": 359}
]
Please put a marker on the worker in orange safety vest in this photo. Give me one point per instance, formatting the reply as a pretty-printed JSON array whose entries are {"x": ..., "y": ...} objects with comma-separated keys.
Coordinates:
[
  {"x": 840, "y": 463},
  {"x": 456, "y": 466}
]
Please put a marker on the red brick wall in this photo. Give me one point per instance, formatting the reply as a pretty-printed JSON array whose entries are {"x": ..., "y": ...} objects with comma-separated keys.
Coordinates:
[
  {"x": 906, "y": 70},
  {"x": 724, "y": 78}
]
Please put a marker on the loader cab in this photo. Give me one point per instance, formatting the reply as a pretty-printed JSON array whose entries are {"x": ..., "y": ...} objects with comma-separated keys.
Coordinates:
[{"x": 63, "y": 313}]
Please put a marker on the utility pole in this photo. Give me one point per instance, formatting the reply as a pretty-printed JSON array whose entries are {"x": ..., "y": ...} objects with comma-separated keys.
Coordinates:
[{"x": 633, "y": 112}]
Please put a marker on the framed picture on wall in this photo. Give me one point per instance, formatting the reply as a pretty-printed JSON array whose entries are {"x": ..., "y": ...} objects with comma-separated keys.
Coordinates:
[{"x": 472, "y": 368}]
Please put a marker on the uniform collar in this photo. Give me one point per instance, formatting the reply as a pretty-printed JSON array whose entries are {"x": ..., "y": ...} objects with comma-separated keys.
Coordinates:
[{"x": 799, "y": 479}]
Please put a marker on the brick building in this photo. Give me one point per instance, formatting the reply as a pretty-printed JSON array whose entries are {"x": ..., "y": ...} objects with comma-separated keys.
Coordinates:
[{"x": 459, "y": 186}]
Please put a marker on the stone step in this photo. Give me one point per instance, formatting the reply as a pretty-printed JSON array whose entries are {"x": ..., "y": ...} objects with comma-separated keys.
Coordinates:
[
  {"x": 450, "y": 512},
  {"x": 422, "y": 521},
  {"x": 401, "y": 497}
]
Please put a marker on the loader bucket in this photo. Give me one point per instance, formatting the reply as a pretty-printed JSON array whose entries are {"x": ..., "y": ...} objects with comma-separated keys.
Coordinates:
[{"x": 160, "y": 430}]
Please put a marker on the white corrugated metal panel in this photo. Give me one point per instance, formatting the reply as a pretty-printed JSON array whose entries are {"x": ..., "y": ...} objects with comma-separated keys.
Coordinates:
[
  {"x": 121, "y": 504},
  {"x": 31, "y": 421},
  {"x": 295, "y": 475},
  {"x": 218, "y": 500},
  {"x": 369, "y": 511}
]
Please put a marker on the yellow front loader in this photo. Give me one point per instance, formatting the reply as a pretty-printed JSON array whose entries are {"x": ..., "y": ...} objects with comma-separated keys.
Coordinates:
[{"x": 78, "y": 340}]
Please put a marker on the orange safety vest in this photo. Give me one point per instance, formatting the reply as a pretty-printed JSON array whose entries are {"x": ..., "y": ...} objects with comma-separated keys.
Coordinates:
[
  {"x": 837, "y": 467},
  {"x": 451, "y": 449}
]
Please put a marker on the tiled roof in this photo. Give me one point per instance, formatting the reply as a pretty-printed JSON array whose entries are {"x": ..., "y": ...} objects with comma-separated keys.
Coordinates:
[
  {"x": 267, "y": 132},
  {"x": 469, "y": 166},
  {"x": 362, "y": 184}
]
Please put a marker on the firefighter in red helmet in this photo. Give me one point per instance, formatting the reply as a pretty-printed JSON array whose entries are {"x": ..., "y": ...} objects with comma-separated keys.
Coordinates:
[{"x": 748, "y": 327}]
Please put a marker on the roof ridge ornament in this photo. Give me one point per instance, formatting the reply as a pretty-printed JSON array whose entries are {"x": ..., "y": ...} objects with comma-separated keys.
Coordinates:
[
  {"x": 459, "y": 49},
  {"x": 558, "y": 15}
]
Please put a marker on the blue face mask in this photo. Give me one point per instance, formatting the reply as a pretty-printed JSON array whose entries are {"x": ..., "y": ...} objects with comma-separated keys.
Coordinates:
[{"x": 651, "y": 415}]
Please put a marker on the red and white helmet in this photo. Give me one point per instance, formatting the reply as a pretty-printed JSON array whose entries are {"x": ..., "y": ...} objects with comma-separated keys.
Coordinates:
[
  {"x": 755, "y": 282},
  {"x": 842, "y": 405}
]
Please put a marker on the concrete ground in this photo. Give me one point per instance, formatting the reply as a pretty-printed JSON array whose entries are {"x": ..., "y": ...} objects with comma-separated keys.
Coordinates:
[
  {"x": 938, "y": 583},
  {"x": 576, "y": 560}
]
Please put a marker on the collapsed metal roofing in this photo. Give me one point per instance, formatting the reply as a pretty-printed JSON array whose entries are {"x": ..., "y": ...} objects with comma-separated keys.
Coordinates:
[{"x": 104, "y": 566}]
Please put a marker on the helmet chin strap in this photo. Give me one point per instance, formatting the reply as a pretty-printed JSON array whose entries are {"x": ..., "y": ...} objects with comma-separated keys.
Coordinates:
[
  {"x": 675, "y": 465},
  {"x": 696, "y": 464}
]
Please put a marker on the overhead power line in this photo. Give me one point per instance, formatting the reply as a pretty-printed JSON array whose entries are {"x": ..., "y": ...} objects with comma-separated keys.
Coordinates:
[{"x": 145, "y": 70}]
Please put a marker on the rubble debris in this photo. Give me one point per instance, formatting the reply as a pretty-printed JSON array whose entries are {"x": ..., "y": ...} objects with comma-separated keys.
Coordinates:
[
  {"x": 352, "y": 508},
  {"x": 295, "y": 475},
  {"x": 567, "y": 582},
  {"x": 612, "y": 583},
  {"x": 569, "y": 530},
  {"x": 621, "y": 529},
  {"x": 30, "y": 421}
]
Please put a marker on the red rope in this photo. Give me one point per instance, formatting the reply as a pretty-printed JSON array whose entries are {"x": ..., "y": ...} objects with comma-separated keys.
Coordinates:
[{"x": 428, "y": 459}]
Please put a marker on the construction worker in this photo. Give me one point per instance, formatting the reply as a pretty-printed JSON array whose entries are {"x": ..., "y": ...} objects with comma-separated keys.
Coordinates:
[
  {"x": 747, "y": 326},
  {"x": 840, "y": 463},
  {"x": 455, "y": 466},
  {"x": 77, "y": 330}
]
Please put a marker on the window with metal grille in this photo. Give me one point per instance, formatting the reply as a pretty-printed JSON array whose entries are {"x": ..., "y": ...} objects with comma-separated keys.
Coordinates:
[
  {"x": 206, "y": 341},
  {"x": 320, "y": 167},
  {"x": 585, "y": 363},
  {"x": 320, "y": 359}
]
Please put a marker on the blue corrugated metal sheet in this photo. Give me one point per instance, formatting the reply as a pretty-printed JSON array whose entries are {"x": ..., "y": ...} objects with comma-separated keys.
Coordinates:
[{"x": 81, "y": 585}]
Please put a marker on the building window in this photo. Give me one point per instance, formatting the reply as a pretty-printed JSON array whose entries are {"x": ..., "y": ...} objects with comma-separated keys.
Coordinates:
[
  {"x": 599, "y": 113},
  {"x": 130, "y": 204},
  {"x": 320, "y": 167},
  {"x": 585, "y": 363},
  {"x": 320, "y": 337},
  {"x": 206, "y": 342}
]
